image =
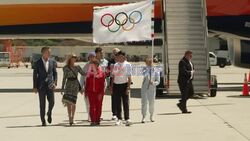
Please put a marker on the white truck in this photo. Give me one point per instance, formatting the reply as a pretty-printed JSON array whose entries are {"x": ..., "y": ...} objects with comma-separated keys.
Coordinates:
[
  {"x": 4, "y": 59},
  {"x": 212, "y": 59},
  {"x": 222, "y": 58}
]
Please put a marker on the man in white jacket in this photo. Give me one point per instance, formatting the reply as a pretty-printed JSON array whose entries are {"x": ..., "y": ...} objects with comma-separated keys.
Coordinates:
[{"x": 151, "y": 78}]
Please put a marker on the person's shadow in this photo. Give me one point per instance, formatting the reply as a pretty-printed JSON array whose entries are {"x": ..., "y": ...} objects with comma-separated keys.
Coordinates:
[
  {"x": 37, "y": 126},
  {"x": 65, "y": 123},
  {"x": 61, "y": 125},
  {"x": 169, "y": 114}
]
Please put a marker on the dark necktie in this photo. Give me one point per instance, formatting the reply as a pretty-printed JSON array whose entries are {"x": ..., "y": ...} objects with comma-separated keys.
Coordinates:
[{"x": 150, "y": 71}]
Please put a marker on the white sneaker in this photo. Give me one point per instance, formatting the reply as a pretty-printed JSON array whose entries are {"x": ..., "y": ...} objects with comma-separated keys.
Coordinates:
[
  {"x": 118, "y": 122},
  {"x": 143, "y": 120},
  {"x": 114, "y": 118},
  {"x": 152, "y": 119},
  {"x": 128, "y": 123}
]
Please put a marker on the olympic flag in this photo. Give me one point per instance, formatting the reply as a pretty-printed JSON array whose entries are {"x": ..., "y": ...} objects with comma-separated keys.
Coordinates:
[{"x": 123, "y": 23}]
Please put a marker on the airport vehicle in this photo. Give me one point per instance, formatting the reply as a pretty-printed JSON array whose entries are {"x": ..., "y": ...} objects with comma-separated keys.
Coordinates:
[
  {"x": 4, "y": 59},
  {"x": 222, "y": 58},
  {"x": 180, "y": 24},
  {"x": 212, "y": 59}
]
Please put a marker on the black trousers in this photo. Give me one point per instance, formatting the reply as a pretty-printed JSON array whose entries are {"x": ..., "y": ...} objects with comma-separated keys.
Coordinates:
[
  {"x": 120, "y": 94},
  {"x": 112, "y": 102},
  {"x": 187, "y": 91},
  {"x": 44, "y": 93},
  {"x": 113, "y": 105}
]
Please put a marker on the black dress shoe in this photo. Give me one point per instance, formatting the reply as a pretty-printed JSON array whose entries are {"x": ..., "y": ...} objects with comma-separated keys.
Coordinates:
[
  {"x": 186, "y": 112},
  {"x": 49, "y": 119},
  {"x": 44, "y": 124},
  {"x": 179, "y": 106}
]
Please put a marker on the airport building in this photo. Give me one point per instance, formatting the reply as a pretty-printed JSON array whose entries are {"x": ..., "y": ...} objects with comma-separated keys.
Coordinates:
[{"x": 134, "y": 53}]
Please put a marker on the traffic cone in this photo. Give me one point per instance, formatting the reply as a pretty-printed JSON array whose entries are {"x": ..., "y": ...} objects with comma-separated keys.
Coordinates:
[{"x": 245, "y": 91}]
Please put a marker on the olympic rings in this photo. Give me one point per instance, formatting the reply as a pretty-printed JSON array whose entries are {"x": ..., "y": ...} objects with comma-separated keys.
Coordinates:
[
  {"x": 132, "y": 14},
  {"x": 110, "y": 23},
  {"x": 128, "y": 29},
  {"x": 125, "y": 20},
  {"x": 115, "y": 29},
  {"x": 121, "y": 19}
]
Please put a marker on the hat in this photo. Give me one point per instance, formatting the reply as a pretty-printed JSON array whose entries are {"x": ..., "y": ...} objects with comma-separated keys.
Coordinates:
[
  {"x": 72, "y": 55},
  {"x": 115, "y": 50},
  {"x": 121, "y": 53},
  {"x": 91, "y": 54}
]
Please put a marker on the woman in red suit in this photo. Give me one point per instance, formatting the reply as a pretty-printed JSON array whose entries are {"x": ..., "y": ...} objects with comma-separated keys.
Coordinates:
[{"x": 94, "y": 89}]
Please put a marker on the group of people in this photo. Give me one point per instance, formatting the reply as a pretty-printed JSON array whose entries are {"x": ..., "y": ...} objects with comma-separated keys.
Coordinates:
[{"x": 98, "y": 76}]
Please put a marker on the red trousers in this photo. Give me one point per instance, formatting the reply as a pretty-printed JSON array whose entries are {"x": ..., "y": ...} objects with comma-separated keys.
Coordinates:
[{"x": 95, "y": 106}]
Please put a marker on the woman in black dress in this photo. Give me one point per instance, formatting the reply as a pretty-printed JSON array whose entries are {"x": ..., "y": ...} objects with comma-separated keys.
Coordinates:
[{"x": 71, "y": 85}]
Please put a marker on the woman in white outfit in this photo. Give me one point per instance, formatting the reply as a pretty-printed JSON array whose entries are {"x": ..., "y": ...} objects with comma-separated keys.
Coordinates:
[{"x": 151, "y": 78}]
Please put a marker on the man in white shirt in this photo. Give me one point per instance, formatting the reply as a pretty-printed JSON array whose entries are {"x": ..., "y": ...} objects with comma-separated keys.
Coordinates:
[{"x": 121, "y": 81}]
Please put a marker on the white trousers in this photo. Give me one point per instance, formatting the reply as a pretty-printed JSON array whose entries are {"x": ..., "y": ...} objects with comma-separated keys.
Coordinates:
[{"x": 147, "y": 98}]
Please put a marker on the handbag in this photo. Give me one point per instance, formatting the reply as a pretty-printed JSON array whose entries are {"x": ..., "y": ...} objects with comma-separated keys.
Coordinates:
[{"x": 80, "y": 87}]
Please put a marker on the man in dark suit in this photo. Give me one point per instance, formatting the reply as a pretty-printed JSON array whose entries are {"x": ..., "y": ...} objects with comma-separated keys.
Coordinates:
[
  {"x": 44, "y": 82},
  {"x": 185, "y": 77}
]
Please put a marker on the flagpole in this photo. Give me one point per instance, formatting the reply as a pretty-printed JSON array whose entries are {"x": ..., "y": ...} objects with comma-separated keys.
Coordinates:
[
  {"x": 165, "y": 46},
  {"x": 152, "y": 49},
  {"x": 152, "y": 28}
]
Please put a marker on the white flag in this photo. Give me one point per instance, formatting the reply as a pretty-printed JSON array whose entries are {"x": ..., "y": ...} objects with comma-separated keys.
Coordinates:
[{"x": 123, "y": 23}]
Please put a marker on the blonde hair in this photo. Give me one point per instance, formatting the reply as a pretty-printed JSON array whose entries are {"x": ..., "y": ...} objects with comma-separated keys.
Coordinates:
[
  {"x": 148, "y": 58},
  {"x": 115, "y": 50},
  {"x": 69, "y": 57}
]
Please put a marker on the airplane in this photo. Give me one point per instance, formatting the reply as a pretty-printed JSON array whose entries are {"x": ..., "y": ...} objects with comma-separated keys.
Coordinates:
[
  {"x": 52, "y": 17},
  {"x": 36, "y": 19}
]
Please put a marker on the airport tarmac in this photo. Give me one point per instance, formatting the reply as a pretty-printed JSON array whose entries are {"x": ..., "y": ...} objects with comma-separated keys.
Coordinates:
[{"x": 222, "y": 118}]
